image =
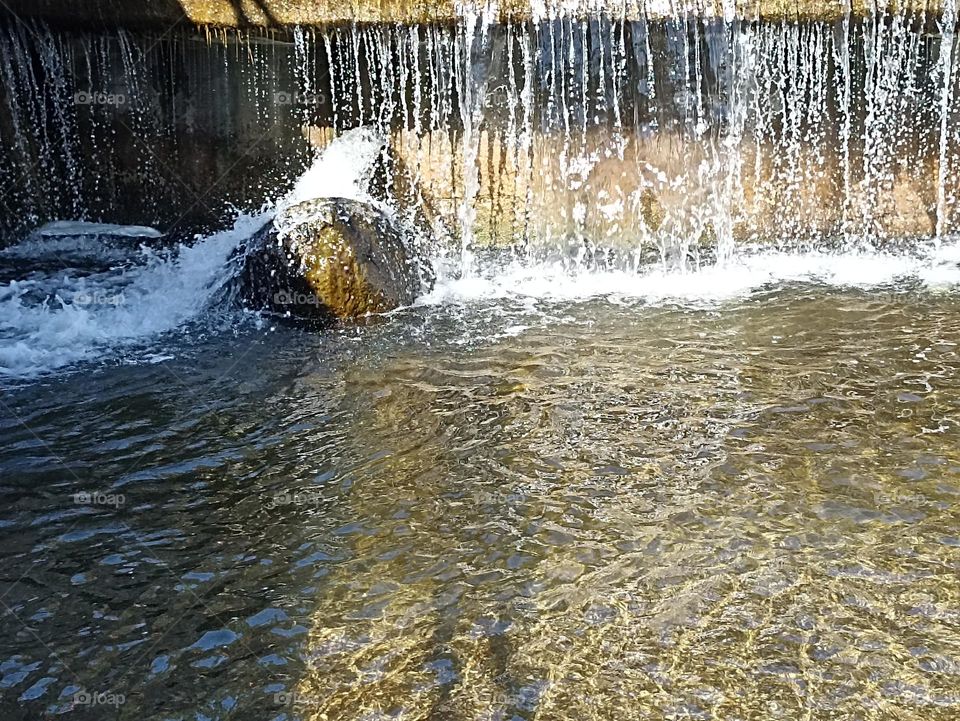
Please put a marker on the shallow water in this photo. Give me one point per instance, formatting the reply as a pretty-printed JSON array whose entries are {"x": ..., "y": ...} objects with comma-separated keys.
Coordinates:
[{"x": 499, "y": 504}]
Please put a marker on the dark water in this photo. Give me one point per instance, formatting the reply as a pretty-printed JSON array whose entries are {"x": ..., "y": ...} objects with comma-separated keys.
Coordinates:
[{"x": 503, "y": 510}]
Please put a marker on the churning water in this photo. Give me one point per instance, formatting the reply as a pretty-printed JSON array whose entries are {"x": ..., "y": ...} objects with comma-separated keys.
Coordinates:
[
  {"x": 75, "y": 292},
  {"x": 99, "y": 301},
  {"x": 88, "y": 302}
]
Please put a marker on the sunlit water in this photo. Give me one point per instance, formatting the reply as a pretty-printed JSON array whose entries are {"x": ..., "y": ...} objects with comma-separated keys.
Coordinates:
[{"x": 724, "y": 495}]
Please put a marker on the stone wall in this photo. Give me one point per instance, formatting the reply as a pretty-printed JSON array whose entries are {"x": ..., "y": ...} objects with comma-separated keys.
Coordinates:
[{"x": 161, "y": 14}]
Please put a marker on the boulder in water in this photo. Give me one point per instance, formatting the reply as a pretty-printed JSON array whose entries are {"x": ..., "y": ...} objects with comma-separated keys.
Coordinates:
[{"x": 332, "y": 259}]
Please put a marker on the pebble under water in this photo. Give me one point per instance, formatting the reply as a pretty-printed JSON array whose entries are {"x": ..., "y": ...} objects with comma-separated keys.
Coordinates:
[{"x": 727, "y": 495}]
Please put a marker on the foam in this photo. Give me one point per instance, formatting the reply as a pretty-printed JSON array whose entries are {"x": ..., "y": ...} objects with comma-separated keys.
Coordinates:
[
  {"x": 87, "y": 317},
  {"x": 712, "y": 285}
]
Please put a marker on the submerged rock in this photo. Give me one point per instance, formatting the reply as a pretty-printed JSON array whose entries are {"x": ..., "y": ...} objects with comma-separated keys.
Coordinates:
[
  {"x": 79, "y": 228},
  {"x": 332, "y": 259}
]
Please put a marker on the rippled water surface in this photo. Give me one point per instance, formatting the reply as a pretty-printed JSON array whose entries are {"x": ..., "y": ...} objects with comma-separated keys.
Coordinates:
[{"x": 498, "y": 509}]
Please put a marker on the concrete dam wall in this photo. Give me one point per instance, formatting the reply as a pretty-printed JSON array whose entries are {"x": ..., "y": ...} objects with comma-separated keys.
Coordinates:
[{"x": 665, "y": 132}]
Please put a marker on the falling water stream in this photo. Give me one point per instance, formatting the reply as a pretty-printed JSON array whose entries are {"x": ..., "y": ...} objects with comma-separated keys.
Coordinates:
[
  {"x": 674, "y": 434},
  {"x": 673, "y": 139}
]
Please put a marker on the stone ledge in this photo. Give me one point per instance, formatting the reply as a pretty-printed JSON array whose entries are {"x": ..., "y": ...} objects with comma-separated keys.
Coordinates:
[{"x": 160, "y": 14}]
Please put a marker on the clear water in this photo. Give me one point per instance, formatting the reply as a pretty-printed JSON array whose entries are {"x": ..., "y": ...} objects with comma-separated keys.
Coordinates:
[
  {"x": 540, "y": 493},
  {"x": 624, "y": 465}
]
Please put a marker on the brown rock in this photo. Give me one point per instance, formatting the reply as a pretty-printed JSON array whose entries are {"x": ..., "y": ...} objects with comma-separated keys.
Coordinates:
[{"x": 332, "y": 259}]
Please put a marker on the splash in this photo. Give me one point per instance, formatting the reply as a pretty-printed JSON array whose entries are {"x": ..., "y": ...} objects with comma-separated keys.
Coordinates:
[
  {"x": 115, "y": 297},
  {"x": 343, "y": 170},
  {"x": 55, "y": 319},
  {"x": 934, "y": 269},
  {"x": 713, "y": 157}
]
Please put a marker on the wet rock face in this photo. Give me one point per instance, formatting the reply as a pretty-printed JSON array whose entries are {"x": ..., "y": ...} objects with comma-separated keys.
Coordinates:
[{"x": 332, "y": 259}]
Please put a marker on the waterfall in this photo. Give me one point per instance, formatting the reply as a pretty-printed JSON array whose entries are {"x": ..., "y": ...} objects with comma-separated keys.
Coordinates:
[
  {"x": 946, "y": 68},
  {"x": 591, "y": 138}
]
